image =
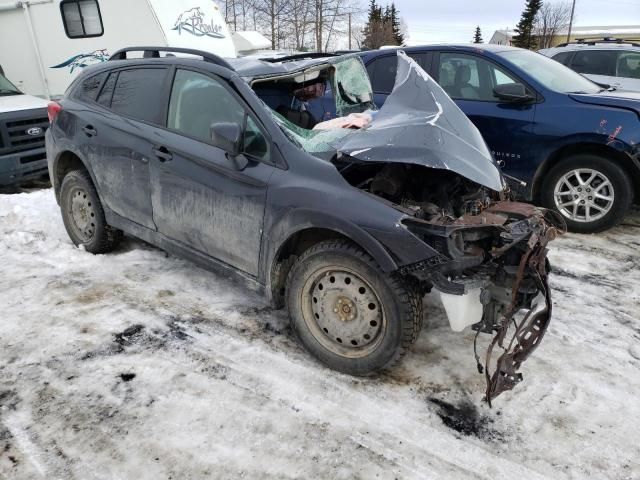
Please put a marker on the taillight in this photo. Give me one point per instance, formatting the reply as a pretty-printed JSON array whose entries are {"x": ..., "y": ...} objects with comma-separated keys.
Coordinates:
[{"x": 53, "y": 109}]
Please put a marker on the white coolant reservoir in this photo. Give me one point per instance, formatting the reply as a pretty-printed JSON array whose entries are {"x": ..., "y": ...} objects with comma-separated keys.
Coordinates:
[{"x": 462, "y": 310}]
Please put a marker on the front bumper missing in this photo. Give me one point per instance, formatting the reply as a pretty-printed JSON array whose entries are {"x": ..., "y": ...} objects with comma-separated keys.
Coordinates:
[{"x": 504, "y": 291}]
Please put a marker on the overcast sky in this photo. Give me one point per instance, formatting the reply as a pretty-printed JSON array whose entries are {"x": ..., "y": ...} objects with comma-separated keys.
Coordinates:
[{"x": 455, "y": 20}]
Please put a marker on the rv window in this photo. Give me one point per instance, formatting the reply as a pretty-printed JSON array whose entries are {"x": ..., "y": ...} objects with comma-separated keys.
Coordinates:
[
  {"x": 137, "y": 92},
  {"x": 81, "y": 18}
]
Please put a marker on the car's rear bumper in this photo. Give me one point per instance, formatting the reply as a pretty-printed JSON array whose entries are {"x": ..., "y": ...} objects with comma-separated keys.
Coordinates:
[{"x": 22, "y": 166}]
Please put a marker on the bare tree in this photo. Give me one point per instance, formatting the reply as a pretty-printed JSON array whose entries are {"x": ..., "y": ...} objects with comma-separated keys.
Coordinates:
[
  {"x": 550, "y": 21},
  {"x": 294, "y": 24}
]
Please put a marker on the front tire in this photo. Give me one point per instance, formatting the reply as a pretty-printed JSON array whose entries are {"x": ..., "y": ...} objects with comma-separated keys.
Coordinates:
[
  {"x": 83, "y": 215},
  {"x": 349, "y": 314},
  {"x": 591, "y": 193}
]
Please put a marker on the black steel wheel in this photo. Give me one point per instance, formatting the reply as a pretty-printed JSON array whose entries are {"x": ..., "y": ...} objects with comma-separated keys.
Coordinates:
[
  {"x": 347, "y": 312},
  {"x": 83, "y": 215}
]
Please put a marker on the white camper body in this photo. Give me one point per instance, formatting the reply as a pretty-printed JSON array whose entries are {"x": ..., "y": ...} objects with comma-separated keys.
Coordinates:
[{"x": 45, "y": 43}]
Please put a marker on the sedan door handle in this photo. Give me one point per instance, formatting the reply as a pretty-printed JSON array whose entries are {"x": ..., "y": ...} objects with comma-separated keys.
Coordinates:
[
  {"x": 90, "y": 131},
  {"x": 163, "y": 154}
]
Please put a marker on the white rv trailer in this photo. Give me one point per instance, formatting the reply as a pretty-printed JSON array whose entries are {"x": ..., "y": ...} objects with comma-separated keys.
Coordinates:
[{"x": 44, "y": 43}]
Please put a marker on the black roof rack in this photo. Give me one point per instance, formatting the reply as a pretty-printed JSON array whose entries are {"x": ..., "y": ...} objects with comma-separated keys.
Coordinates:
[
  {"x": 594, "y": 41},
  {"x": 298, "y": 56},
  {"x": 154, "y": 52}
]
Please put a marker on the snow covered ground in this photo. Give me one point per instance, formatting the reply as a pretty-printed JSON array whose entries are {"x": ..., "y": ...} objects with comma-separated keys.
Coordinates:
[{"x": 140, "y": 365}]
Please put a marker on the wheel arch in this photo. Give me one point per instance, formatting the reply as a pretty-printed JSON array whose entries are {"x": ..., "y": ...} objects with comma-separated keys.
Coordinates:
[
  {"x": 628, "y": 165},
  {"x": 304, "y": 238},
  {"x": 65, "y": 162}
]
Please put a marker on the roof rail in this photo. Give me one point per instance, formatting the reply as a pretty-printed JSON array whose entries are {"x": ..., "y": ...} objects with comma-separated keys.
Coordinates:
[
  {"x": 154, "y": 52},
  {"x": 594, "y": 41},
  {"x": 298, "y": 56}
]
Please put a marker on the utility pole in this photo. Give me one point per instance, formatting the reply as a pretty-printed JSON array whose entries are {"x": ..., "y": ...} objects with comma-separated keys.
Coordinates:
[
  {"x": 349, "y": 30},
  {"x": 573, "y": 8}
]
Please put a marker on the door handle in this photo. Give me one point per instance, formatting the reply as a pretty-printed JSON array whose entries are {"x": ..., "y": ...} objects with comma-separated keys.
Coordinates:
[
  {"x": 90, "y": 131},
  {"x": 163, "y": 154}
]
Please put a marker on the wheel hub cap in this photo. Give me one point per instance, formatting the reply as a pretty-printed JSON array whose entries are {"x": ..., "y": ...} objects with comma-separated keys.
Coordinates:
[
  {"x": 344, "y": 312},
  {"x": 82, "y": 214},
  {"x": 584, "y": 195}
]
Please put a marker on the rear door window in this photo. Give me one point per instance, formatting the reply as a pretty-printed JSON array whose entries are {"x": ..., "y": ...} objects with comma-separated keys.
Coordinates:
[
  {"x": 138, "y": 92},
  {"x": 563, "y": 57},
  {"x": 628, "y": 65},
  {"x": 595, "y": 62}
]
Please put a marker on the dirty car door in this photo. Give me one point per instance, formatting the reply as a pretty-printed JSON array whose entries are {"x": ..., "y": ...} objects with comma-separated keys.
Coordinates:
[
  {"x": 200, "y": 196},
  {"x": 119, "y": 135}
]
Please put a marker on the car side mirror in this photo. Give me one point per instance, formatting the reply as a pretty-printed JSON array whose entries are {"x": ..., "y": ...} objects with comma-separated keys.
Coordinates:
[
  {"x": 227, "y": 136},
  {"x": 512, "y": 92}
]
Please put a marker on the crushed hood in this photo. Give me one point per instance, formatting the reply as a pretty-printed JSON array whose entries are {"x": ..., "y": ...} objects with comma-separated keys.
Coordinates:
[{"x": 420, "y": 124}]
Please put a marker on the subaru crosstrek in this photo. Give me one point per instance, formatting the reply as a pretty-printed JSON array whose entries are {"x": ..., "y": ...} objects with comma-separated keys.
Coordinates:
[
  {"x": 569, "y": 144},
  {"x": 348, "y": 223}
]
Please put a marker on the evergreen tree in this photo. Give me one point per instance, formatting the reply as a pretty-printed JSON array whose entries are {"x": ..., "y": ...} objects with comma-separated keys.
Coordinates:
[
  {"x": 395, "y": 24},
  {"x": 477, "y": 38},
  {"x": 525, "y": 37},
  {"x": 382, "y": 27}
]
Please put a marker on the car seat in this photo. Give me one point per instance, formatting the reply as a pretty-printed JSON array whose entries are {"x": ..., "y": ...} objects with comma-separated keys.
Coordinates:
[{"x": 461, "y": 87}]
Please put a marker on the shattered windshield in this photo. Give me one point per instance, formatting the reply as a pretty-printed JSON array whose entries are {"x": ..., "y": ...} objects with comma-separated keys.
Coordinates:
[
  {"x": 351, "y": 86},
  {"x": 418, "y": 124}
]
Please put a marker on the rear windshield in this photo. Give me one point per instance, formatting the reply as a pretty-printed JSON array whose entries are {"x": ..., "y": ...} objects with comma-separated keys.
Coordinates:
[{"x": 549, "y": 73}]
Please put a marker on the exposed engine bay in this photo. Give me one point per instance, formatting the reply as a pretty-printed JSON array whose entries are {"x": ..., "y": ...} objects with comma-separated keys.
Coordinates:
[{"x": 491, "y": 264}]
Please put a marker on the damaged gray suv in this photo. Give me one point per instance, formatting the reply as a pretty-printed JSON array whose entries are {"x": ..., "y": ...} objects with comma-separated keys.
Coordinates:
[{"x": 347, "y": 221}]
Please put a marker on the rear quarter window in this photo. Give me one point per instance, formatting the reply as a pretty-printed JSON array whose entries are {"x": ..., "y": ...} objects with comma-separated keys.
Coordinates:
[
  {"x": 88, "y": 89},
  {"x": 137, "y": 93}
]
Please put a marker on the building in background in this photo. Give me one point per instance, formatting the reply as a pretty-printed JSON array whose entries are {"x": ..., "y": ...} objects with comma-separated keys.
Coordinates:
[{"x": 625, "y": 32}]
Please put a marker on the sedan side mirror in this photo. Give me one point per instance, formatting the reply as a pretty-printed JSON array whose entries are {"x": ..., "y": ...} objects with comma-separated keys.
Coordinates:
[
  {"x": 512, "y": 92},
  {"x": 227, "y": 136}
]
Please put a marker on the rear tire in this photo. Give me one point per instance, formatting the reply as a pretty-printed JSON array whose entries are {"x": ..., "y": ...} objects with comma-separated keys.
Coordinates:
[
  {"x": 591, "y": 192},
  {"x": 349, "y": 314},
  {"x": 83, "y": 215}
]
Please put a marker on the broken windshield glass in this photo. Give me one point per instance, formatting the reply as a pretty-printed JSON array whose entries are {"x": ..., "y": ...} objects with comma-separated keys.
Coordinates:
[{"x": 351, "y": 86}]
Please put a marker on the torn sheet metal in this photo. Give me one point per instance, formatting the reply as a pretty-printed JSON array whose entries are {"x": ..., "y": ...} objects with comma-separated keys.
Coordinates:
[{"x": 420, "y": 124}]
